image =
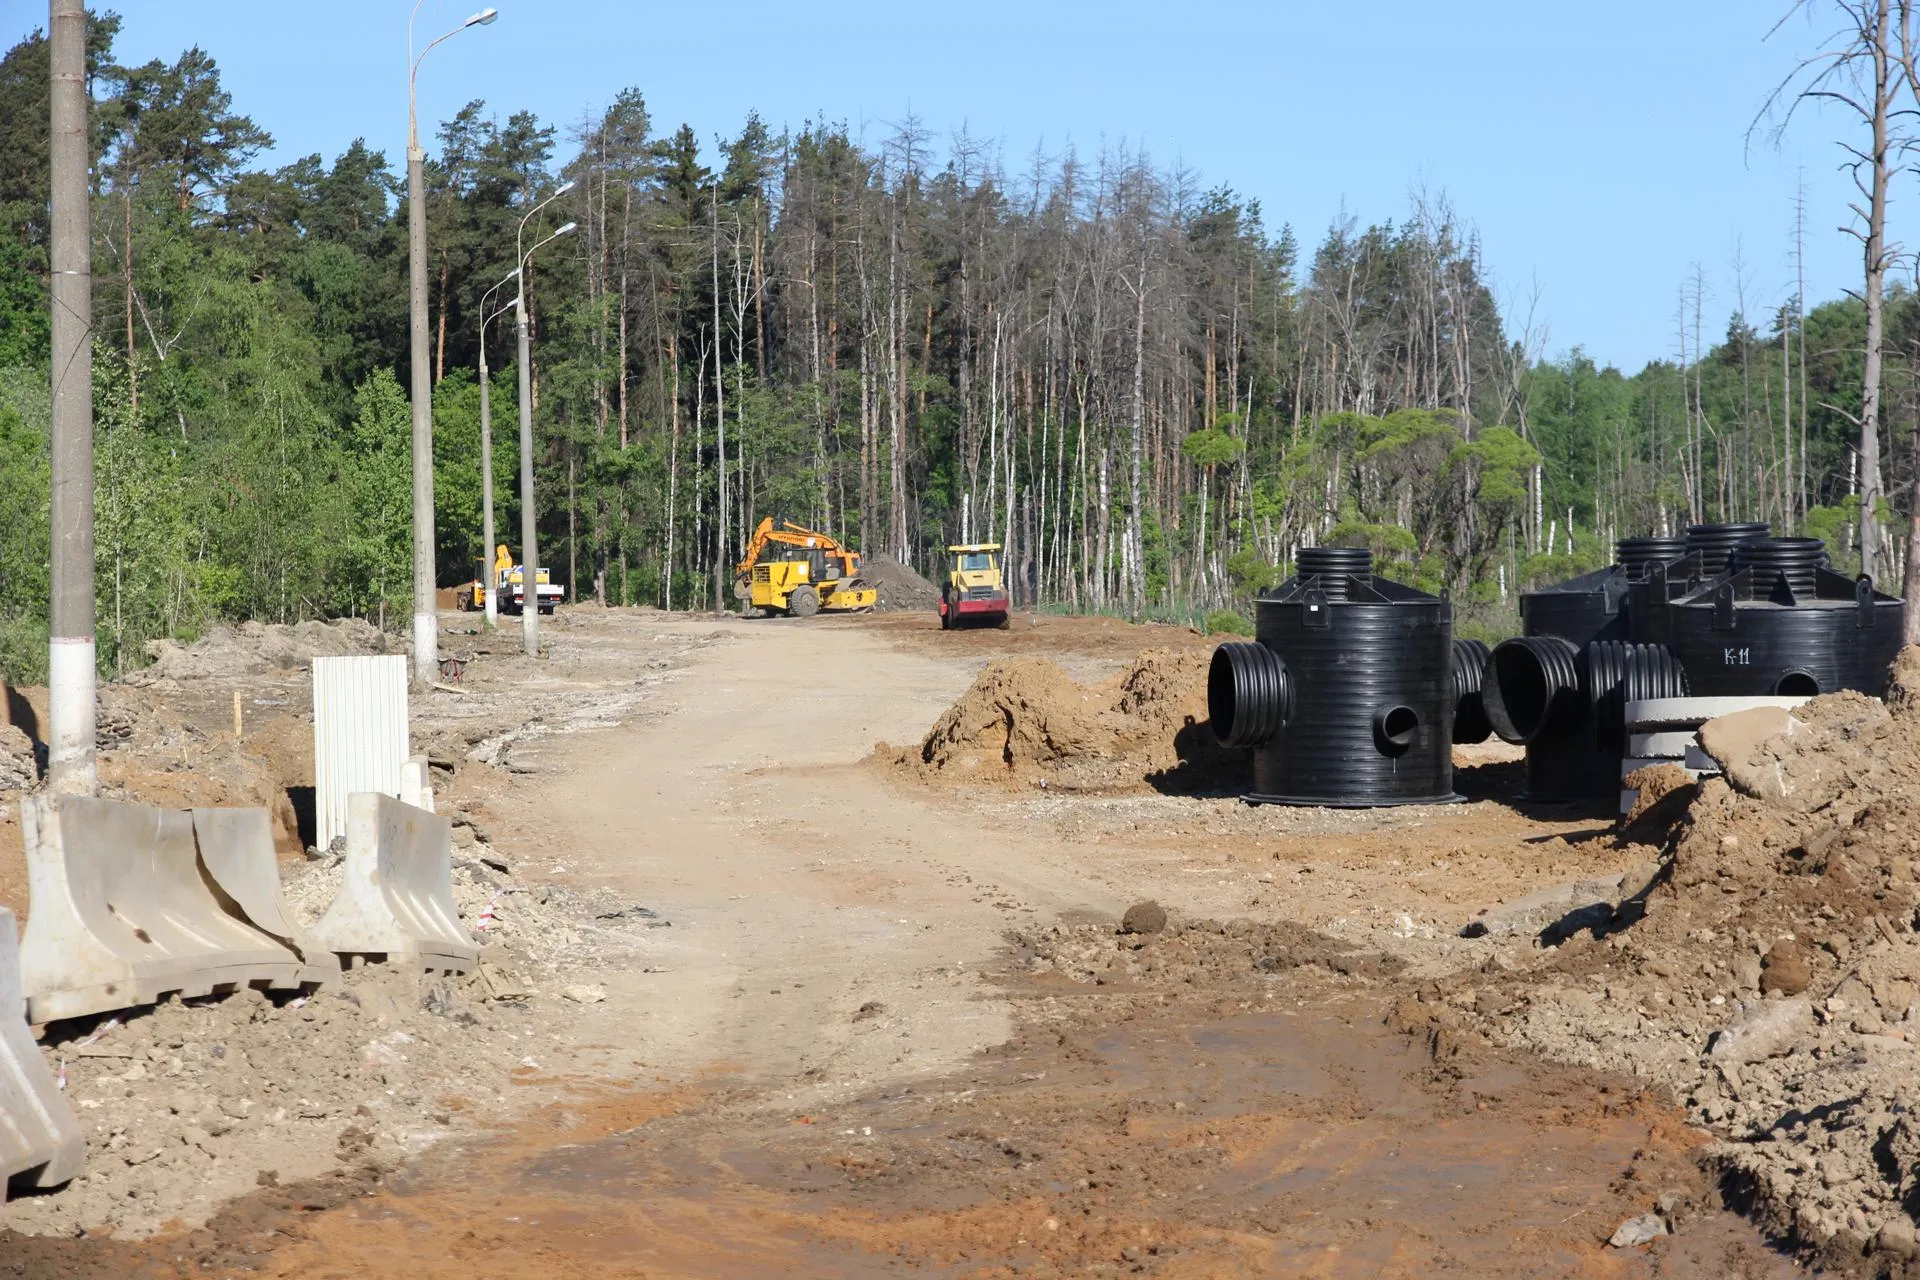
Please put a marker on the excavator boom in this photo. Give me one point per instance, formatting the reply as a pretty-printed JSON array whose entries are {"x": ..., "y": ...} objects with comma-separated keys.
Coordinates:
[{"x": 822, "y": 575}]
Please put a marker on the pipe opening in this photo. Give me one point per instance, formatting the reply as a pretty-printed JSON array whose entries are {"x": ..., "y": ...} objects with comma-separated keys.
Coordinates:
[
  {"x": 1797, "y": 684},
  {"x": 1532, "y": 686},
  {"x": 1395, "y": 728}
]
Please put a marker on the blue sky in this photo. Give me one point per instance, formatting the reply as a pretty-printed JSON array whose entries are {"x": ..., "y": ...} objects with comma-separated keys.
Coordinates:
[{"x": 1599, "y": 150}]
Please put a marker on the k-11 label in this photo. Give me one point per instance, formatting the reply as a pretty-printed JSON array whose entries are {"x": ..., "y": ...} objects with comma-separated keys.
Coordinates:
[{"x": 1736, "y": 657}]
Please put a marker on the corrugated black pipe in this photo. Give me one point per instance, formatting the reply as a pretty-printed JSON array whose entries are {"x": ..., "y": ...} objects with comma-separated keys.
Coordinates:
[
  {"x": 1796, "y": 559},
  {"x": 1533, "y": 689},
  {"x": 1333, "y": 566},
  {"x": 1469, "y": 710},
  {"x": 1248, "y": 695},
  {"x": 1636, "y": 554},
  {"x": 1616, "y": 673},
  {"x": 1714, "y": 543}
]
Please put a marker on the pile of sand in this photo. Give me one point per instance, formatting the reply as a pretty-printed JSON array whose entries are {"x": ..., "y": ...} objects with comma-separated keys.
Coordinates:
[
  {"x": 1769, "y": 975},
  {"x": 1026, "y": 722},
  {"x": 900, "y": 588},
  {"x": 255, "y": 648}
]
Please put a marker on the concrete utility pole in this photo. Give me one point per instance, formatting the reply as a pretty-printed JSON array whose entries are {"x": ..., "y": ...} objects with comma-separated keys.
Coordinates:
[
  {"x": 491, "y": 577},
  {"x": 529, "y": 513},
  {"x": 426, "y": 613},
  {"x": 70, "y": 661}
]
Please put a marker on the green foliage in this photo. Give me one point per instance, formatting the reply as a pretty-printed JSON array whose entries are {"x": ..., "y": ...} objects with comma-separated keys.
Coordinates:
[
  {"x": 1229, "y": 622},
  {"x": 1250, "y": 572},
  {"x": 377, "y": 476},
  {"x": 1211, "y": 447}
]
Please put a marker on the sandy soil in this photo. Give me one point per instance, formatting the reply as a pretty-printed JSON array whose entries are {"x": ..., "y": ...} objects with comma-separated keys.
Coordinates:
[{"x": 892, "y": 1027}]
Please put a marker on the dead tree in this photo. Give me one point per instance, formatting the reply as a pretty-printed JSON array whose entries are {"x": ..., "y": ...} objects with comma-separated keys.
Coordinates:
[{"x": 1864, "y": 68}]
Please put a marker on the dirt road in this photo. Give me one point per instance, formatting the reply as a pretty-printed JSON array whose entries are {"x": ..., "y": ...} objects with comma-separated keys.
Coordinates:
[{"x": 890, "y": 1028}]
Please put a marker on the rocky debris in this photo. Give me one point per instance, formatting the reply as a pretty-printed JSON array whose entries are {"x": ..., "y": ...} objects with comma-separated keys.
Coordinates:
[
  {"x": 900, "y": 588},
  {"x": 1559, "y": 911},
  {"x": 1188, "y": 953},
  {"x": 1770, "y": 976},
  {"x": 187, "y": 1102},
  {"x": 1026, "y": 722},
  {"x": 255, "y": 648},
  {"x": 1644, "y": 1229},
  {"x": 19, "y": 770},
  {"x": 1144, "y": 917},
  {"x": 1762, "y": 1029}
]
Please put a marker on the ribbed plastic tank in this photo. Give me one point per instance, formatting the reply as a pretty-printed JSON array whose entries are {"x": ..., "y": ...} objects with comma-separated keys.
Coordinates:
[
  {"x": 1779, "y": 621},
  {"x": 1347, "y": 696},
  {"x": 1595, "y": 606}
]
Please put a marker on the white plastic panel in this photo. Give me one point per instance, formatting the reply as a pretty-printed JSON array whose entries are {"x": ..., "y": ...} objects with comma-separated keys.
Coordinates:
[{"x": 359, "y": 734}]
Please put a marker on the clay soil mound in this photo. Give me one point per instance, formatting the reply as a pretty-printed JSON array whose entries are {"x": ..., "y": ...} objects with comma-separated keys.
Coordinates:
[
  {"x": 901, "y": 589},
  {"x": 1026, "y": 722}
]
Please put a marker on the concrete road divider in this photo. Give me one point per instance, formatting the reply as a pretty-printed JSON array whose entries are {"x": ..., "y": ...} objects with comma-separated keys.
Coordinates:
[
  {"x": 397, "y": 899},
  {"x": 41, "y": 1144},
  {"x": 236, "y": 854},
  {"x": 122, "y": 917}
]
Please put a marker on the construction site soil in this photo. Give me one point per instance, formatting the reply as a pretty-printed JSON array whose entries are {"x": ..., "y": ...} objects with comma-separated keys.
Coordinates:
[{"x": 1028, "y": 992}]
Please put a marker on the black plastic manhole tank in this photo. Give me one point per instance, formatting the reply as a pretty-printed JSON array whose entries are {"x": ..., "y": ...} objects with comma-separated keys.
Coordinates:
[
  {"x": 1347, "y": 694},
  {"x": 1594, "y": 606},
  {"x": 1561, "y": 688},
  {"x": 1777, "y": 620}
]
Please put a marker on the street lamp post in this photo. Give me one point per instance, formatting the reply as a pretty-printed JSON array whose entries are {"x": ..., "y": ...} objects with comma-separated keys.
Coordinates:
[
  {"x": 529, "y": 514},
  {"x": 486, "y": 452},
  {"x": 426, "y": 617}
]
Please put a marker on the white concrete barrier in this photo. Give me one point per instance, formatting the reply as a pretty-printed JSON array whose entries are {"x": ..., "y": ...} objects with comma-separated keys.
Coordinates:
[
  {"x": 121, "y": 915},
  {"x": 236, "y": 855},
  {"x": 416, "y": 783},
  {"x": 397, "y": 898},
  {"x": 359, "y": 735},
  {"x": 41, "y": 1144}
]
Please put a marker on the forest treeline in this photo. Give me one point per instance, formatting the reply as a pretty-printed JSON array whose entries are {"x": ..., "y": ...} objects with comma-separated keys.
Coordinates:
[{"x": 1148, "y": 392}]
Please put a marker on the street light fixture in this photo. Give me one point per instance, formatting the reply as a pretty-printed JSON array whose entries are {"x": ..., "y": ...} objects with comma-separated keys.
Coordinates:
[
  {"x": 529, "y": 514},
  {"x": 426, "y": 616},
  {"x": 486, "y": 449}
]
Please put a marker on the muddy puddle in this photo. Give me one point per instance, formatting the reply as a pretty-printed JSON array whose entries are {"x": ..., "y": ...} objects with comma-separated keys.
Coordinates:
[{"x": 1344, "y": 1138}]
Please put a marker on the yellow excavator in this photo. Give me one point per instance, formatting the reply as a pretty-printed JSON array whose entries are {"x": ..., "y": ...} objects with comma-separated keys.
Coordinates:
[{"x": 798, "y": 571}]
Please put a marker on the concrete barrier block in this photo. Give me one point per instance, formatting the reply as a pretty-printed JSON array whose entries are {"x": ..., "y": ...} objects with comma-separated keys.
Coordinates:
[
  {"x": 397, "y": 898},
  {"x": 1690, "y": 713},
  {"x": 121, "y": 915},
  {"x": 236, "y": 855},
  {"x": 1669, "y": 745},
  {"x": 41, "y": 1144},
  {"x": 416, "y": 783}
]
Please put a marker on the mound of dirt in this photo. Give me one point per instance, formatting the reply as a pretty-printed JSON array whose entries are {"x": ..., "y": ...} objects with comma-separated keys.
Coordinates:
[
  {"x": 901, "y": 589},
  {"x": 1026, "y": 722},
  {"x": 1770, "y": 977},
  {"x": 255, "y": 648}
]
